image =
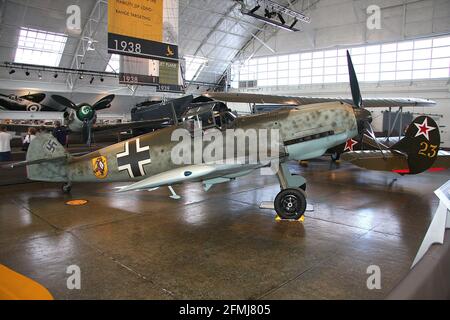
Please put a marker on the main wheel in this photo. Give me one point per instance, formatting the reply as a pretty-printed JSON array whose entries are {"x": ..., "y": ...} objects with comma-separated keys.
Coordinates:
[
  {"x": 290, "y": 203},
  {"x": 66, "y": 188}
]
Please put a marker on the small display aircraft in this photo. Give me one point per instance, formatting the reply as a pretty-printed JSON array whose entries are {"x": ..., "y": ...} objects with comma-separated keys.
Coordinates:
[
  {"x": 29, "y": 102},
  {"x": 81, "y": 118},
  {"x": 146, "y": 162}
]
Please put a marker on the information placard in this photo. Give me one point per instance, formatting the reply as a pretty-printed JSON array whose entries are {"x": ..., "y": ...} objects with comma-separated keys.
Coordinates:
[
  {"x": 143, "y": 28},
  {"x": 162, "y": 74}
]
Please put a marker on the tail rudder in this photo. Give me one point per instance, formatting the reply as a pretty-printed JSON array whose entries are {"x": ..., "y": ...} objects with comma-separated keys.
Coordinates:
[
  {"x": 52, "y": 158},
  {"x": 420, "y": 144}
]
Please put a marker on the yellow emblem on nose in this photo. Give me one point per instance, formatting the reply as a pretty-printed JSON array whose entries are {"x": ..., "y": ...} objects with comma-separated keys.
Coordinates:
[{"x": 100, "y": 167}]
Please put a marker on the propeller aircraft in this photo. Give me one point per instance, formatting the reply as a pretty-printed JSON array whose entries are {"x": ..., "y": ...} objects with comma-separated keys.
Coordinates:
[
  {"x": 81, "y": 118},
  {"x": 147, "y": 161},
  {"x": 29, "y": 102}
]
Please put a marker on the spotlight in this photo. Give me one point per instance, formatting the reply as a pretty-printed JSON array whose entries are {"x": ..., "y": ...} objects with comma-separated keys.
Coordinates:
[
  {"x": 27, "y": 73},
  {"x": 12, "y": 71},
  {"x": 40, "y": 76},
  {"x": 81, "y": 77},
  {"x": 101, "y": 79},
  {"x": 55, "y": 75},
  {"x": 92, "y": 80},
  {"x": 198, "y": 87}
]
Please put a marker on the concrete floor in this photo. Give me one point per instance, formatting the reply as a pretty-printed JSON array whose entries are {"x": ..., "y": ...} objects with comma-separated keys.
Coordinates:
[{"x": 220, "y": 245}]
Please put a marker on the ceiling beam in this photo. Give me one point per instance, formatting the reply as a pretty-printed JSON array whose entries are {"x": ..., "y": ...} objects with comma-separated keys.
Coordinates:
[{"x": 96, "y": 16}]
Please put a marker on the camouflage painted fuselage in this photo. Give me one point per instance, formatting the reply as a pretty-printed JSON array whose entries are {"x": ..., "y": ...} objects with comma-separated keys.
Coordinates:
[{"x": 305, "y": 132}]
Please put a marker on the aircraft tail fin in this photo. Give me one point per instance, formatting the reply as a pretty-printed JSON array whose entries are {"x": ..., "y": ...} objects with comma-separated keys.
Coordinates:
[
  {"x": 420, "y": 145},
  {"x": 46, "y": 159}
]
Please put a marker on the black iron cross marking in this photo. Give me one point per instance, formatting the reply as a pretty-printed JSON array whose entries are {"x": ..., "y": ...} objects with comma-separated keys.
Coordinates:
[{"x": 133, "y": 158}]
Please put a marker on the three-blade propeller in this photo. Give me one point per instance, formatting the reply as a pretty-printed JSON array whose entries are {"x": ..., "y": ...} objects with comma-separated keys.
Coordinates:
[
  {"x": 85, "y": 112},
  {"x": 363, "y": 116}
]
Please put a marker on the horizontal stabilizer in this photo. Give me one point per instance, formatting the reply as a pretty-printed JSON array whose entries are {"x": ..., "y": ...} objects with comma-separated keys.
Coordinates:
[{"x": 29, "y": 163}]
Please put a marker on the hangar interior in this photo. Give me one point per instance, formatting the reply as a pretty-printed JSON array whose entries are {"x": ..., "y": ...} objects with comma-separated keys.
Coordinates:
[{"x": 219, "y": 244}]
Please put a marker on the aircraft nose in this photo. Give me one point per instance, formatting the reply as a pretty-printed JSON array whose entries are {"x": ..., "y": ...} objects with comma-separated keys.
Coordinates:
[{"x": 363, "y": 115}]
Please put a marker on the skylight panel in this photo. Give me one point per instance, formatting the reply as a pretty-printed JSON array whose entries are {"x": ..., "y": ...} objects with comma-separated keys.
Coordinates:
[
  {"x": 40, "y": 47},
  {"x": 113, "y": 64},
  {"x": 194, "y": 66}
]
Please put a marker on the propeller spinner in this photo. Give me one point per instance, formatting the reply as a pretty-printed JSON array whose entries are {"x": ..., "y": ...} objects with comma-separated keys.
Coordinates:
[{"x": 85, "y": 114}]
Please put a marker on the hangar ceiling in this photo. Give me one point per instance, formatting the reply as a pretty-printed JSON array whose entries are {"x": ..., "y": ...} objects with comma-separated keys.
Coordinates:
[{"x": 214, "y": 30}]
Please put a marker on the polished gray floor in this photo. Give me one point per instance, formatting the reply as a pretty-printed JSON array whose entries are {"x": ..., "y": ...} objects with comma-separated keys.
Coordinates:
[{"x": 219, "y": 244}]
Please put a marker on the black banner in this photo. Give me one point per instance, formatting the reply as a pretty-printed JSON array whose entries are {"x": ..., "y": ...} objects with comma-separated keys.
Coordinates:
[
  {"x": 140, "y": 79},
  {"x": 142, "y": 48}
]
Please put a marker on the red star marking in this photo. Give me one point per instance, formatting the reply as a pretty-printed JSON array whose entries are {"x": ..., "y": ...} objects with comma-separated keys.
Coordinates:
[
  {"x": 424, "y": 129},
  {"x": 350, "y": 144}
]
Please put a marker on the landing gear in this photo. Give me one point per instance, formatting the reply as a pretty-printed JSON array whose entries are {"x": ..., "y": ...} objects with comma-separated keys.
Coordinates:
[
  {"x": 67, "y": 187},
  {"x": 290, "y": 203},
  {"x": 335, "y": 156}
]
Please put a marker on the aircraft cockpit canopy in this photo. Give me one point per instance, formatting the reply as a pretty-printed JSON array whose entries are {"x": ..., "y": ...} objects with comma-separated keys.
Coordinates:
[{"x": 208, "y": 115}]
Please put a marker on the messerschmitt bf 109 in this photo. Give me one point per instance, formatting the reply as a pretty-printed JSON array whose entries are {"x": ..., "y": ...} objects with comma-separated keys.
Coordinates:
[{"x": 147, "y": 161}]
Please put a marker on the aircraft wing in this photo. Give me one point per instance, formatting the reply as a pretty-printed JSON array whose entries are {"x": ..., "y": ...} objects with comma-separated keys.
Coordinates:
[
  {"x": 303, "y": 100},
  {"x": 29, "y": 163},
  {"x": 117, "y": 127},
  {"x": 209, "y": 174}
]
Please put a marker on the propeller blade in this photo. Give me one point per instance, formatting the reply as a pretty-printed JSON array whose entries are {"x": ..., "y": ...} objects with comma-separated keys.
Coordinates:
[
  {"x": 104, "y": 102},
  {"x": 354, "y": 86},
  {"x": 64, "y": 102}
]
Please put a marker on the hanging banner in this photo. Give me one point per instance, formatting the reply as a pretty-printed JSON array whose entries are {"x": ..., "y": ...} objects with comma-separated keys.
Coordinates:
[
  {"x": 165, "y": 75},
  {"x": 143, "y": 28}
]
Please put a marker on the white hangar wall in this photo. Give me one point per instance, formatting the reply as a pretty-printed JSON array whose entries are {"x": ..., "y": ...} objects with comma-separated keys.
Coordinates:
[{"x": 341, "y": 24}]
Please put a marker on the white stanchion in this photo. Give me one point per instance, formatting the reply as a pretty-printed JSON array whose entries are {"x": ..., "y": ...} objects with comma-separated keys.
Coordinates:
[{"x": 440, "y": 222}]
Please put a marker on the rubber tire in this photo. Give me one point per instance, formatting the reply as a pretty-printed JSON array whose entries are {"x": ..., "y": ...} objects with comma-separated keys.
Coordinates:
[
  {"x": 335, "y": 156},
  {"x": 66, "y": 188},
  {"x": 300, "y": 196}
]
